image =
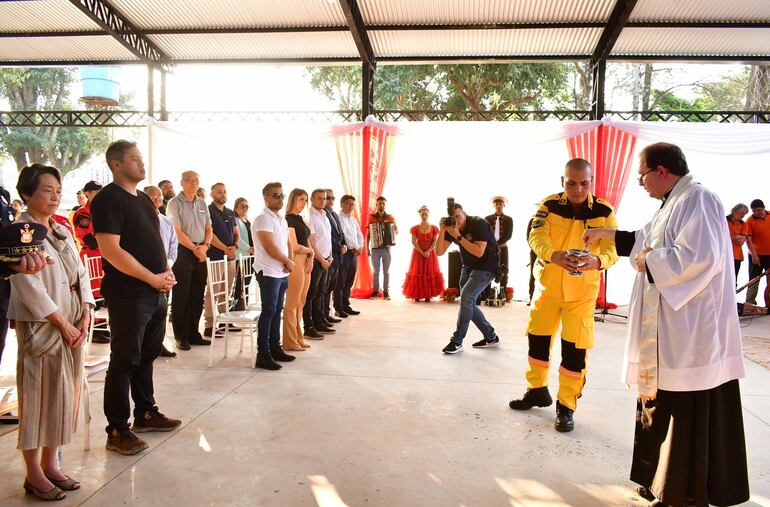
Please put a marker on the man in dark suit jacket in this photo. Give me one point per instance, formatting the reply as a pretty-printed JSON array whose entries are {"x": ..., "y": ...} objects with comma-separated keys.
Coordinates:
[
  {"x": 503, "y": 226},
  {"x": 338, "y": 249}
]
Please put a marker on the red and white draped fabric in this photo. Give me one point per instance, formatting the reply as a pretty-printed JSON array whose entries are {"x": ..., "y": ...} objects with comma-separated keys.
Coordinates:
[
  {"x": 609, "y": 150},
  {"x": 363, "y": 153}
]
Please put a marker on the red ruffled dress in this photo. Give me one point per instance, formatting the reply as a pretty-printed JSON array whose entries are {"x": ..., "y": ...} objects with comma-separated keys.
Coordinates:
[{"x": 424, "y": 279}]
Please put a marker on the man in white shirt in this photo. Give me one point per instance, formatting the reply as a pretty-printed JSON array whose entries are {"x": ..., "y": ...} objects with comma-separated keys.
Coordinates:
[
  {"x": 354, "y": 239},
  {"x": 168, "y": 236},
  {"x": 313, "y": 316},
  {"x": 273, "y": 261},
  {"x": 684, "y": 341}
]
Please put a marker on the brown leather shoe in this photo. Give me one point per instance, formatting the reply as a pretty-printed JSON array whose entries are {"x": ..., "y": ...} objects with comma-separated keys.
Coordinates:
[
  {"x": 125, "y": 442},
  {"x": 154, "y": 421}
]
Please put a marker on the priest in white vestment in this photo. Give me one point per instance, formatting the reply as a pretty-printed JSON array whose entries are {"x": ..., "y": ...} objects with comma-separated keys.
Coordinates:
[{"x": 684, "y": 342}]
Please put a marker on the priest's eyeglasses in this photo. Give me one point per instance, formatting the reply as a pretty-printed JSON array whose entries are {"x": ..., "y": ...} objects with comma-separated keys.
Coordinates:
[{"x": 641, "y": 176}]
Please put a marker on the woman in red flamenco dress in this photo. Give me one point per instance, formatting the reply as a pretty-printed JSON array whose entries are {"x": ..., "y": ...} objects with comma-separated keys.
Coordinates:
[{"x": 424, "y": 279}]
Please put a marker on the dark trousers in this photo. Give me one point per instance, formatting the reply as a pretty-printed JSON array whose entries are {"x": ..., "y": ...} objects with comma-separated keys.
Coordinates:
[
  {"x": 504, "y": 262},
  {"x": 5, "y": 298},
  {"x": 271, "y": 291},
  {"x": 737, "y": 268},
  {"x": 239, "y": 302},
  {"x": 345, "y": 279},
  {"x": 332, "y": 280},
  {"x": 187, "y": 301},
  {"x": 138, "y": 326},
  {"x": 312, "y": 312}
]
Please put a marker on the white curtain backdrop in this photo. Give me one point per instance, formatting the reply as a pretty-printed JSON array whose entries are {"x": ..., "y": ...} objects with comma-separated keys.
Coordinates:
[{"x": 468, "y": 160}]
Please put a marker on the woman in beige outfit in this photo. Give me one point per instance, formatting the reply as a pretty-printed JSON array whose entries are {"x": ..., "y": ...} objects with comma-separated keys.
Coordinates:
[
  {"x": 51, "y": 310},
  {"x": 299, "y": 279}
]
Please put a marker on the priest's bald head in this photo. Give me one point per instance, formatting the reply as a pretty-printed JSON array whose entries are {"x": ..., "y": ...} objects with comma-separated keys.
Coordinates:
[
  {"x": 661, "y": 166},
  {"x": 577, "y": 180}
]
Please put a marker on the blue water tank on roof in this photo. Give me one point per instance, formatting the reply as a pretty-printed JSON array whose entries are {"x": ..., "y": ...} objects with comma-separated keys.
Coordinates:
[{"x": 101, "y": 85}]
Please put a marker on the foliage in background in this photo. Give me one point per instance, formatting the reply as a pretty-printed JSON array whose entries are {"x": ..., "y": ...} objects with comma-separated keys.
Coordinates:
[
  {"x": 38, "y": 89},
  {"x": 455, "y": 87}
]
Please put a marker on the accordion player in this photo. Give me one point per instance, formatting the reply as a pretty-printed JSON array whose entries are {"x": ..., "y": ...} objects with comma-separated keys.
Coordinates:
[{"x": 382, "y": 234}]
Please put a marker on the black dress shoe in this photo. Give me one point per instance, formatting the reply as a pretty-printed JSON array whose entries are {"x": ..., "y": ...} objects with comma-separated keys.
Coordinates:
[
  {"x": 351, "y": 311},
  {"x": 182, "y": 344},
  {"x": 564, "y": 421},
  {"x": 325, "y": 330},
  {"x": 645, "y": 493},
  {"x": 200, "y": 341},
  {"x": 312, "y": 333},
  {"x": 536, "y": 397},
  {"x": 341, "y": 314},
  {"x": 101, "y": 336},
  {"x": 164, "y": 352},
  {"x": 333, "y": 320},
  {"x": 280, "y": 355},
  {"x": 265, "y": 361}
]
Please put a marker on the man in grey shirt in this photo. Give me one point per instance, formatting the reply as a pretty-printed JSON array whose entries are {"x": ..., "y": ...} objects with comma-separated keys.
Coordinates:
[{"x": 192, "y": 224}]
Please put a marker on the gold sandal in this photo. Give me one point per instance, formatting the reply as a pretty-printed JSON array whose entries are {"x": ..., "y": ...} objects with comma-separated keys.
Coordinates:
[
  {"x": 53, "y": 494},
  {"x": 68, "y": 484}
]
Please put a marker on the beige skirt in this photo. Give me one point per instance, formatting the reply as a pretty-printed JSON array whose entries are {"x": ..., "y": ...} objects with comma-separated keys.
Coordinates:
[{"x": 51, "y": 383}]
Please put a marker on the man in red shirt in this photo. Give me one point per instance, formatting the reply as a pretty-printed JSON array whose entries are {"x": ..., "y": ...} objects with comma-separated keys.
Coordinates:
[{"x": 759, "y": 246}]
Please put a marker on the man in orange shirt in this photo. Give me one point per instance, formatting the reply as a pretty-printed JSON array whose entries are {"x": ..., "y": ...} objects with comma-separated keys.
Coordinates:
[
  {"x": 759, "y": 246},
  {"x": 739, "y": 231}
]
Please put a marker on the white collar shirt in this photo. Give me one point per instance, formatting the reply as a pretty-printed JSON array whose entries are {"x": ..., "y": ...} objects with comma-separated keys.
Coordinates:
[
  {"x": 351, "y": 229},
  {"x": 275, "y": 224},
  {"x": 321, "y": 232}
]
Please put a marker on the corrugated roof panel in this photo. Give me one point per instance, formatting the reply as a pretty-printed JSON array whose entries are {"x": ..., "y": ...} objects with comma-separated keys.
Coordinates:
[
  {"x": 255, "y": 45},
  {"x": 157, "y": 14},
  {"x": 560, "y": 41},
  {"x": 75, "y": 49},
  {"x": 701, "y": 10},
  {"x": 693, "y": 41},
  {"x": 432, "y": 12},
  {"x": 59, "y": 15}
]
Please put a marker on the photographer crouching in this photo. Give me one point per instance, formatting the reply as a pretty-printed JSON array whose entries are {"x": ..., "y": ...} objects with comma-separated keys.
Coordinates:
[{"x": 481, "y": 259}]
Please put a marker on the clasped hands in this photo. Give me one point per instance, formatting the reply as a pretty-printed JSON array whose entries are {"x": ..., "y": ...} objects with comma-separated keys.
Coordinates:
[{"x": 573, "y": 263}]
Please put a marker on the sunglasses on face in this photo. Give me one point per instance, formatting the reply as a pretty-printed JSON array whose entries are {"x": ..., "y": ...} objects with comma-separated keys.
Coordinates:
[{"x": 277, "y": 195}]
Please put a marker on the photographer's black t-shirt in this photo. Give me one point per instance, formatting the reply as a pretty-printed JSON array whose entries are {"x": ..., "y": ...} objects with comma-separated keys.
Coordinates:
[
  {"x": 135, "y": 220},
  {"x": 478, "y": 229}
]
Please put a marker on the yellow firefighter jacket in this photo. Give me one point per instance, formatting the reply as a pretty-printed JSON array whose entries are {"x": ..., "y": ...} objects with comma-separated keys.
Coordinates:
[{"x": 556, "y": 226}]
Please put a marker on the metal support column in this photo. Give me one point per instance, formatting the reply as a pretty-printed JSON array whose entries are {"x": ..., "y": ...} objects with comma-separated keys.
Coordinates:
[
  {"x": 150, "y": 91},
  {"x": 597, "y": 92},
  {"x": 163, "y": 110},
  {"x": 367, "y": 89}
]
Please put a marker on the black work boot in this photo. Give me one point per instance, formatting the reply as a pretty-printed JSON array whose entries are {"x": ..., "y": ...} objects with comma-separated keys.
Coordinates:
[
  {"x": 265, "y": 361},
  {"x": 564, "y": 421},
  {"x": 537, "y": 397}
]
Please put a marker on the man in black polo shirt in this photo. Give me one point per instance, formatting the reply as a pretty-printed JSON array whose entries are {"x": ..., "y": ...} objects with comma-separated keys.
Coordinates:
[
  {"x": 223, "y": 245},
  {"x": 480, "y": 257},
  {"x": 136, "y": 281}
]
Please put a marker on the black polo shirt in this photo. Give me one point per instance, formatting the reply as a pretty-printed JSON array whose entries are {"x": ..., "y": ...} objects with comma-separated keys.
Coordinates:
[
  {"x": 478, "y": 229},
  {"x": 222, "y": 223}
]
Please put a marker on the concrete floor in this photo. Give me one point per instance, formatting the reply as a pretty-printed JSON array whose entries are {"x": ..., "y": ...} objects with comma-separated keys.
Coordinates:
[{"x": 377, "y": 415}]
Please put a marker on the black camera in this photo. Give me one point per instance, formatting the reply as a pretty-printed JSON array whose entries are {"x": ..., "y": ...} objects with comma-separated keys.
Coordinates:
[{"x": 449, "y": 220}]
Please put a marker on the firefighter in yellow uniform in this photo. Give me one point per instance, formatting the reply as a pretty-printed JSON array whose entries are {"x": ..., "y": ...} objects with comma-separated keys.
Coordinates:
[{"x": 567, "y": 286}]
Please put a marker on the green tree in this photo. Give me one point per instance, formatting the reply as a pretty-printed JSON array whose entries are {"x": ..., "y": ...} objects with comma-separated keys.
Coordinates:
[
  {"x": 455, "y": 87},
  {"x": 41, "y": 89}
]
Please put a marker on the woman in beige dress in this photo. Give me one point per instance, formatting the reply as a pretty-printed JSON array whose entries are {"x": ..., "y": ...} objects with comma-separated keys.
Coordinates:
[
  {"x": 299, "y": 278},
  {"x": 51, "y": 310}
]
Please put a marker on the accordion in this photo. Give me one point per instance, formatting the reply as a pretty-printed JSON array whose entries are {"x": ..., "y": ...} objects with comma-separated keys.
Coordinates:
[{"x": 382, "y": 234}]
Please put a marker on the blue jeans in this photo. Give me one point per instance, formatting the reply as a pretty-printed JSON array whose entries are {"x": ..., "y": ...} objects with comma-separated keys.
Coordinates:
[
  {"x": 271, "y": 290},
  {"x": 472, "y": 283},
  {"x": 381, "y": 256}
]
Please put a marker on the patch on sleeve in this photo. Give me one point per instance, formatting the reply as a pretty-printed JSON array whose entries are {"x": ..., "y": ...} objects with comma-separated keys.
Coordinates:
[
  {"x": 84, "y": 221},
  {"x": 541, "y": 214},
  {"x": 538, "y": 222}
]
